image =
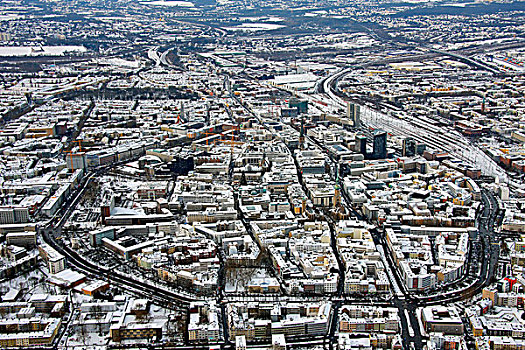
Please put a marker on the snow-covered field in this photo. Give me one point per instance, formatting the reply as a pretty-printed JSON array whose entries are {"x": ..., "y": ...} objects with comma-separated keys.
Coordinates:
[
  {"x": 39, "y": 50},
  {"x": 247, "y": 27},
  {"x": 173, "y": 3}
]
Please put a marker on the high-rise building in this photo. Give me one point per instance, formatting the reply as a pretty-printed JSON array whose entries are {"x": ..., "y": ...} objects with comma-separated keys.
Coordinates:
[
  {"x": 409, "y": 147},
  {"x": 5, "y": 37},
  {"x": 56, "y": 262},
  {"x": 301, "y": 134},
  {"x": 360, "y": 144},
  {"x": 240, "y": 342},
  {"x": 379, "y": 145},
  {"x": 357, "y": 116},
  {"x": 420, "y": 148},
  {"x": 337, "y": 195},
  {"x": 353, "y": 113}
]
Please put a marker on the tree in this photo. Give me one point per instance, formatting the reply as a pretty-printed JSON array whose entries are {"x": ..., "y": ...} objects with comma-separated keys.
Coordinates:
[
  {"x": 97, "y": 310},
  {"x": 83, "y": 334}
]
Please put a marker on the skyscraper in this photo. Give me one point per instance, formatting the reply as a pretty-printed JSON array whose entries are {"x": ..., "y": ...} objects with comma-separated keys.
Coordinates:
[
  {"x": 409, "y": 147},
  {"x": 360, "y": 144},
  {"x": 379, "y": 145},
  {"x": 357, "y": 116},
  {"x": 353, "y": 113}
]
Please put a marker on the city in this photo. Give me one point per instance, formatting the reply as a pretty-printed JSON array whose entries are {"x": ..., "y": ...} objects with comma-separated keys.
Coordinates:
[{"x": 328, "y": 175}]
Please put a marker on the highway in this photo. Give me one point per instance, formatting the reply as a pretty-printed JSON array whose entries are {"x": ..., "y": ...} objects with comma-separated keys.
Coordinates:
[
  {"x": 468, "y": 61},
  {"x": 153, "y": 54}
]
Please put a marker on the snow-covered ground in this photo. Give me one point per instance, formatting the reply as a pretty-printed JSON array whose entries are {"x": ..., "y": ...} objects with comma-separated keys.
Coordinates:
[
  {"x": 39, "y": 50},
  {"x": 247, "y": 27},
  {"x": 170, "y": 3}
]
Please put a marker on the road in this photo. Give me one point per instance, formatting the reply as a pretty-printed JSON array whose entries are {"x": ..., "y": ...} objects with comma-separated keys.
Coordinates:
[
  {"x": 406, "y": 301},
  {"x": 403, "y": 300},
  {"x": 439, "y": 139},
  {"x": 52, "y": 229}
]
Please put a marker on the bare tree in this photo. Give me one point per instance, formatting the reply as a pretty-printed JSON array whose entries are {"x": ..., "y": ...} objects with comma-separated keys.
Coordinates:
[{"x": 99, "y": 313}]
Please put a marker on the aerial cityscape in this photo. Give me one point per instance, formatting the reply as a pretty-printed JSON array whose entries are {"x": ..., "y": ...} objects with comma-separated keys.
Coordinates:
[{"x": 282, "y": 174}]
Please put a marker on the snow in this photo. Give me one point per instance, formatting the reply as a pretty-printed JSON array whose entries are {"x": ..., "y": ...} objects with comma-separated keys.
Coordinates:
[
  {"x": 254, "y": 27},
  {"x": 238, "y": 278},
  {"x": 39, "y": 50},
  {"x": 121, "y": 62},
  {"x": 124, "y": 211},
  {"x": 10, "y": 17},
  {"x": 11, "y": 294},
  {"x": 186, "y": 4},
  {"x": 295, "y": 78}
]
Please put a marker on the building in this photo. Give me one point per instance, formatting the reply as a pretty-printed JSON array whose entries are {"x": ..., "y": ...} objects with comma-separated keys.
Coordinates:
[
  {"x": 203, "y": 324},
  {"x": 240, "y": 342},
  {"x": 300, "y": 105},
  {"x": 96, "y": 237},
  {"x": 55, "y": 261},
  {"x": 278, "y": 342},
  {"x": 442, "y": 319},
  {"x": 22, "y": 239},
  {"x": 134, "y": 323},
  {"x": 40, "y": 332},
  {"x": 258, "y": 320},
  {"x": 379, "y": 151},
  {"x": 360, "y": 144},
  {"x": 354, "y": 114},
  {"x": 76, "y": 161},
  {"x": 14, "y": 215},
  {"x": 368, "y": 319},
  {"x": 409, "y": 147},
  {"x": 46, "y": 303}
]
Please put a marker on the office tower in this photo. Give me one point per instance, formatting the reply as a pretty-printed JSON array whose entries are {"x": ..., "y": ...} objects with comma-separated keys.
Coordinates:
[
  {"x": 409, "y": 147},
  {"x": 379, "y": 151},
  {"x": 353, "y": 112},
  {"x": 360, "y": 144}
]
